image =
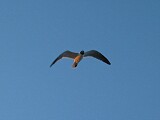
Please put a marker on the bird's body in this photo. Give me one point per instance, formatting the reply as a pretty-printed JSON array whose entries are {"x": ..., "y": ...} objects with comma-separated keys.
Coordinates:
[
  {"x": 77, "y": 57},
  {"x": 77, "y": 60}
]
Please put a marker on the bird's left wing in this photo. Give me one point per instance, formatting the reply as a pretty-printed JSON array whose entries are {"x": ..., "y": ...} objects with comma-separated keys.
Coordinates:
[
  {"x": 96, "y": 54},
  {"x": 67, "y": 54}
]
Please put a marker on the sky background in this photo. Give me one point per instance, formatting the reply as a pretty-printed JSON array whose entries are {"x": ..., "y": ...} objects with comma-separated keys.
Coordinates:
[{"x": 34, "y": 32}]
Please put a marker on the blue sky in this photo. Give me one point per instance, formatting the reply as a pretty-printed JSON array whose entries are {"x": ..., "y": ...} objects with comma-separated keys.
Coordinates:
[{"x": 34, "y": 32}]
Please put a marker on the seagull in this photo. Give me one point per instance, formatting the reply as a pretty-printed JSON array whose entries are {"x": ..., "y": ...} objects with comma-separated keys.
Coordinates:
[{"x": 77, "y": 57}]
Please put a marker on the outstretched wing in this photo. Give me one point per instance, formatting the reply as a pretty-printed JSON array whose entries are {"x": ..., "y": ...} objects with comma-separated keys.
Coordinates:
[
  {"x": 98, "y": 55},
  {"x": 67, "y": 54}
]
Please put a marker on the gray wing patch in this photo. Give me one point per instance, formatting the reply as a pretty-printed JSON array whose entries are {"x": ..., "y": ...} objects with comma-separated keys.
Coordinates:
[
  {"x": 67, "y": 54},
  {"x": 98, "y": 55}
]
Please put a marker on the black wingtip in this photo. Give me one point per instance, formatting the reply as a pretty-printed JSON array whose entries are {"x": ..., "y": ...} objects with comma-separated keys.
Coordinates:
[
  {"x": 50, "y": 65},
  {"x": 107, "y": 61}
]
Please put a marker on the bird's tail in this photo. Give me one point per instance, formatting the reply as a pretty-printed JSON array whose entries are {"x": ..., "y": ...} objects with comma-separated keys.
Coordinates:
[{"x": 74, "y": 64}]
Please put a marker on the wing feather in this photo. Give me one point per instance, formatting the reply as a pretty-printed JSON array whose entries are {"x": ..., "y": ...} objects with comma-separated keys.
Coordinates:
[
  {"x": 67, "y": 54},
  {"x": 98, "y": 55}
]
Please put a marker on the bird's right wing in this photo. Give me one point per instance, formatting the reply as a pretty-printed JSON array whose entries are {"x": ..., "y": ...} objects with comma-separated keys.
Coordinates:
[
  {"x": 67, "y": 54},
  {"x": 98, "y": 55}
]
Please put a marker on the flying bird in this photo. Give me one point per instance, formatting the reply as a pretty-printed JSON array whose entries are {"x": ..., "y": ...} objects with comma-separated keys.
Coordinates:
[{"x": 77, "y": 57}]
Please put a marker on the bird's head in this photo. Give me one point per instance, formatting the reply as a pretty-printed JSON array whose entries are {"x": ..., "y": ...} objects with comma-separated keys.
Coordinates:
[{"x": 82, "y": 52}]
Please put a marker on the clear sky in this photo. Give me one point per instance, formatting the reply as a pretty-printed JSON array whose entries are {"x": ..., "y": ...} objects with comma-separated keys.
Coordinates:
[{"x": 34, "y": 32}]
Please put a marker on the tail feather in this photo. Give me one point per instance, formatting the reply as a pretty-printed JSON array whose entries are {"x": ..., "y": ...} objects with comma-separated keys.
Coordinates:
[{"x": 74, "y": 65}]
